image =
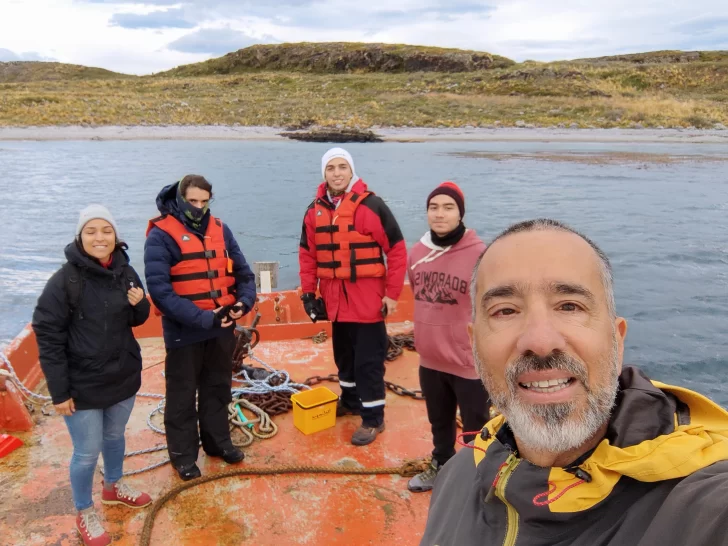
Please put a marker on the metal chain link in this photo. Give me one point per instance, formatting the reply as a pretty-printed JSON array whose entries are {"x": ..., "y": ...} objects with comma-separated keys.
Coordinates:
[
  {"x": 16, "y": 380},
  {"x": 397, "y": 344},
  {"x": 403, "y": 391},
  {"x": 396, "y": 389},
  {"x": 316, "y": 379}
]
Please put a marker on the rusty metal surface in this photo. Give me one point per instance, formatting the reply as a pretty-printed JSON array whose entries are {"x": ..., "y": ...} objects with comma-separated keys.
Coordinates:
[{"x": 36, "y": 507}]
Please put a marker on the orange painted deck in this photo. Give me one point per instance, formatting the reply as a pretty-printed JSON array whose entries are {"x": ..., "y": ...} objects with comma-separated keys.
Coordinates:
[{"x": 35, "y": 501}]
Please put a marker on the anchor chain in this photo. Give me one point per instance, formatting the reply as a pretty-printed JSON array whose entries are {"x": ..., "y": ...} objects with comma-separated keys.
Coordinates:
[{"x": 396, "y": 389}]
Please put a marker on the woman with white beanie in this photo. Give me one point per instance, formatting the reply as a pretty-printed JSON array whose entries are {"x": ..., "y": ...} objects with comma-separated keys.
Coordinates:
[{"x": 92, "y": 363}]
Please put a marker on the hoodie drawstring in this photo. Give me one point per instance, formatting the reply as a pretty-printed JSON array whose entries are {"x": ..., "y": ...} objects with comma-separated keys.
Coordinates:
[
  {"x": 484, "y": 434},
  {"x": 434, "y": 254},
  {"x": 582, "y": 475}
]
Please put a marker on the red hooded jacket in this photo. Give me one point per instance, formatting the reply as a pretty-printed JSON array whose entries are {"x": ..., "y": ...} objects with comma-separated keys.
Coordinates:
[{"x": 359, "y": 301}]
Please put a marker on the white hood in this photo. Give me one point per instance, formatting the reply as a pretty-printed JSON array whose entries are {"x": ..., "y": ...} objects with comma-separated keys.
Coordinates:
[{"x": 435, "y": 250}]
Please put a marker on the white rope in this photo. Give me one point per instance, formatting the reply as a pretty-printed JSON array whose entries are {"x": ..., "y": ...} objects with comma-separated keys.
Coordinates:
[{"x": 264, "y": 386}]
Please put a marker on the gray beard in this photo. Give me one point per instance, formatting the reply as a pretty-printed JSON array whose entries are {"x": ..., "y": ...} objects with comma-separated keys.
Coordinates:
[{"x": 553, "y": 428}]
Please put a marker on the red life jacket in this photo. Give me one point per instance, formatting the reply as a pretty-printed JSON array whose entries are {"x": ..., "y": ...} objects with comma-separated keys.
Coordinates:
[
  {"x": 204, "y": 275},
  {"x": 341, "y": 251}
]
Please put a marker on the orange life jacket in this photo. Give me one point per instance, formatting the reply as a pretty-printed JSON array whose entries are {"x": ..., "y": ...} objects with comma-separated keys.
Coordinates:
[
  {"x": 341, "y": 251},
  {"x": 204, "y": 275}
]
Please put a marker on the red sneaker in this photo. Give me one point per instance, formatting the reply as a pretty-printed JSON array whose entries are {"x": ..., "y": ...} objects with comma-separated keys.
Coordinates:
[
  {"x": 89, "y": 527},
  {"x": 126, "y": 495}
]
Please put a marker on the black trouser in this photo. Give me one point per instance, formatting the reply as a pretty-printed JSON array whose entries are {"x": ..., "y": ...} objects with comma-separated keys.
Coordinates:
[
  {"x": 359, "y": 352},
  {"x": 206, "y": 366},
  {"x": 443, "y": 392}
]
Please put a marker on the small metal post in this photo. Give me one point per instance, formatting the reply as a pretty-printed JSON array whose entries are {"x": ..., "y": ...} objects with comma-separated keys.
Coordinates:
[{"x": 266, "y": 276}]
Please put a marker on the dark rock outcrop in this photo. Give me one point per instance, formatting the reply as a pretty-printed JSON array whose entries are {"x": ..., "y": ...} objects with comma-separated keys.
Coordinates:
[{"x": 333, "y": 135}]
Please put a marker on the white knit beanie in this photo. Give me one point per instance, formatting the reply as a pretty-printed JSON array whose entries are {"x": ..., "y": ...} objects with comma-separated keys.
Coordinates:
[
  {"x": 334, "y": 153},
  {"x": 93, "y": 212}
]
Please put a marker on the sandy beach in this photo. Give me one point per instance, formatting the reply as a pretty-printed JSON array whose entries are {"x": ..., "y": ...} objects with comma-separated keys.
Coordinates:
[{"x": 409, "y": 134}]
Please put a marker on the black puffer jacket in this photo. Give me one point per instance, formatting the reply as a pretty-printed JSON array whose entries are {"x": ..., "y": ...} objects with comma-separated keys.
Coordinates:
[{"x": 90, "y": 354}]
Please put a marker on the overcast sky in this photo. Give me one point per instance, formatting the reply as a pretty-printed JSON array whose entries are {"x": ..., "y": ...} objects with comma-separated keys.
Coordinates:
[{"x": 145, "y": 36}]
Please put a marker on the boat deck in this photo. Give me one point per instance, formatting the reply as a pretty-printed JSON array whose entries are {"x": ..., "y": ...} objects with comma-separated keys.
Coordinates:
[{"x": 36, "y": 507}]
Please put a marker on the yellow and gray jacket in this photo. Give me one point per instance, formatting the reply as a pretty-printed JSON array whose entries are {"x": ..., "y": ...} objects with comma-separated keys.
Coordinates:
[{"x": 658, "y": 478}]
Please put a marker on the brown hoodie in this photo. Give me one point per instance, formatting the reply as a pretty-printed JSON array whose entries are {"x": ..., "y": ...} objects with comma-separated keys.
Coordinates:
[{"x": 440, "y": 277}]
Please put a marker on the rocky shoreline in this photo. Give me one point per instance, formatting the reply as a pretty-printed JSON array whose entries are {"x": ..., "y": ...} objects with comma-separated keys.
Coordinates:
[{"x": 387, "y": 134}]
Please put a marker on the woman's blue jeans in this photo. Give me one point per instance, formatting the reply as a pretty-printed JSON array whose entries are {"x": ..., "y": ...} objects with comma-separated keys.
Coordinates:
[{"x": 92, "y": 432}]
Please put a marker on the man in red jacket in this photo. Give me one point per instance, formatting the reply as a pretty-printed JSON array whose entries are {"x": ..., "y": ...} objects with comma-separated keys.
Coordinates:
[{"x": 347, "y": 232}]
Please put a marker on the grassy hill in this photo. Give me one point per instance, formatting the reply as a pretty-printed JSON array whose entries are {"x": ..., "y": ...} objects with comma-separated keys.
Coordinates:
[
  {"x": 30, "y": 71},
  {"x": 357, "y": 85},
  {"x": 342, "y": 57},
  {"x": 662, "y": 57}
]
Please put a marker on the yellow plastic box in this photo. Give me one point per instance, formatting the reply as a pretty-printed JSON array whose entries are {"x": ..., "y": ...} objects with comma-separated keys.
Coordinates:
[{"x": 314, "y": 410}]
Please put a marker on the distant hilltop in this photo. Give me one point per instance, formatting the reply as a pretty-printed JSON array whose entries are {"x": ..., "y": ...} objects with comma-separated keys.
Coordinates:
[
  {"x": 364, "y": 86},
  {"x": 336, "y": 58},
  {"x": 662, "y": 57},
  {"x": 34, "y": 71}
]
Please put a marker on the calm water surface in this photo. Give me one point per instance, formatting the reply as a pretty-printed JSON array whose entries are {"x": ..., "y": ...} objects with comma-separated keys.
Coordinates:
[{"x": 662, "y": 225}]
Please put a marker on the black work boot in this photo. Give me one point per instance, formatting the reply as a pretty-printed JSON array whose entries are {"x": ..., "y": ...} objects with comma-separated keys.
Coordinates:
[
  {"x": 232, "y": 456},
  {"x": 188, "y": 471}
]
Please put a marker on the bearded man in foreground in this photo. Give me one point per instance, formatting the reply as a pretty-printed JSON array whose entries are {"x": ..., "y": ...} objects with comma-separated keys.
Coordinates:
[{"x": 585, "y": 452}]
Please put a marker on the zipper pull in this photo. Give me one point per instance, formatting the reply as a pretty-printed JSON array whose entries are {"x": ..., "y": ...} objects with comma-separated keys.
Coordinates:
[
  {"x": 490, "y": 495},
  {"x": 491, "y": 491},
  {"x": 502, "y": 470}
]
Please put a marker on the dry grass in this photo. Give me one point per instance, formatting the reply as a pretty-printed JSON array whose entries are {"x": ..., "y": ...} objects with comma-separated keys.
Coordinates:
[
  {"x": 19, "y": 71},
  {"x": 586, "y": 94}
]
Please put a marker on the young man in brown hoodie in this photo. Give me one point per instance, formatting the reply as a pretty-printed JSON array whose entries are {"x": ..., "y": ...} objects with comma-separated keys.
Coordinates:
[{"x": 439, "y": 269}]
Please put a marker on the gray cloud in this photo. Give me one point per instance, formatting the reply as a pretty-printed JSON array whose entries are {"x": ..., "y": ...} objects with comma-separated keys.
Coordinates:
[
  {"x": 558, "y": 45},
  {"x": 144, "y": 2},
  {"x": 237, "y": 7},
  {"x": 170, "y": 18},
  {"x": 7, "y": 56},
  {"x": 442, "y": 12},
  {"x": 216, "y": 41},
  {"x": 703, "y": 25},
  {"x": 318, "y": 13}
]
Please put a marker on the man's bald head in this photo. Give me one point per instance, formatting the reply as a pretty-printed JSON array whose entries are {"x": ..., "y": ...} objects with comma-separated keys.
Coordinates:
[{"x": 545, "y": 224}]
